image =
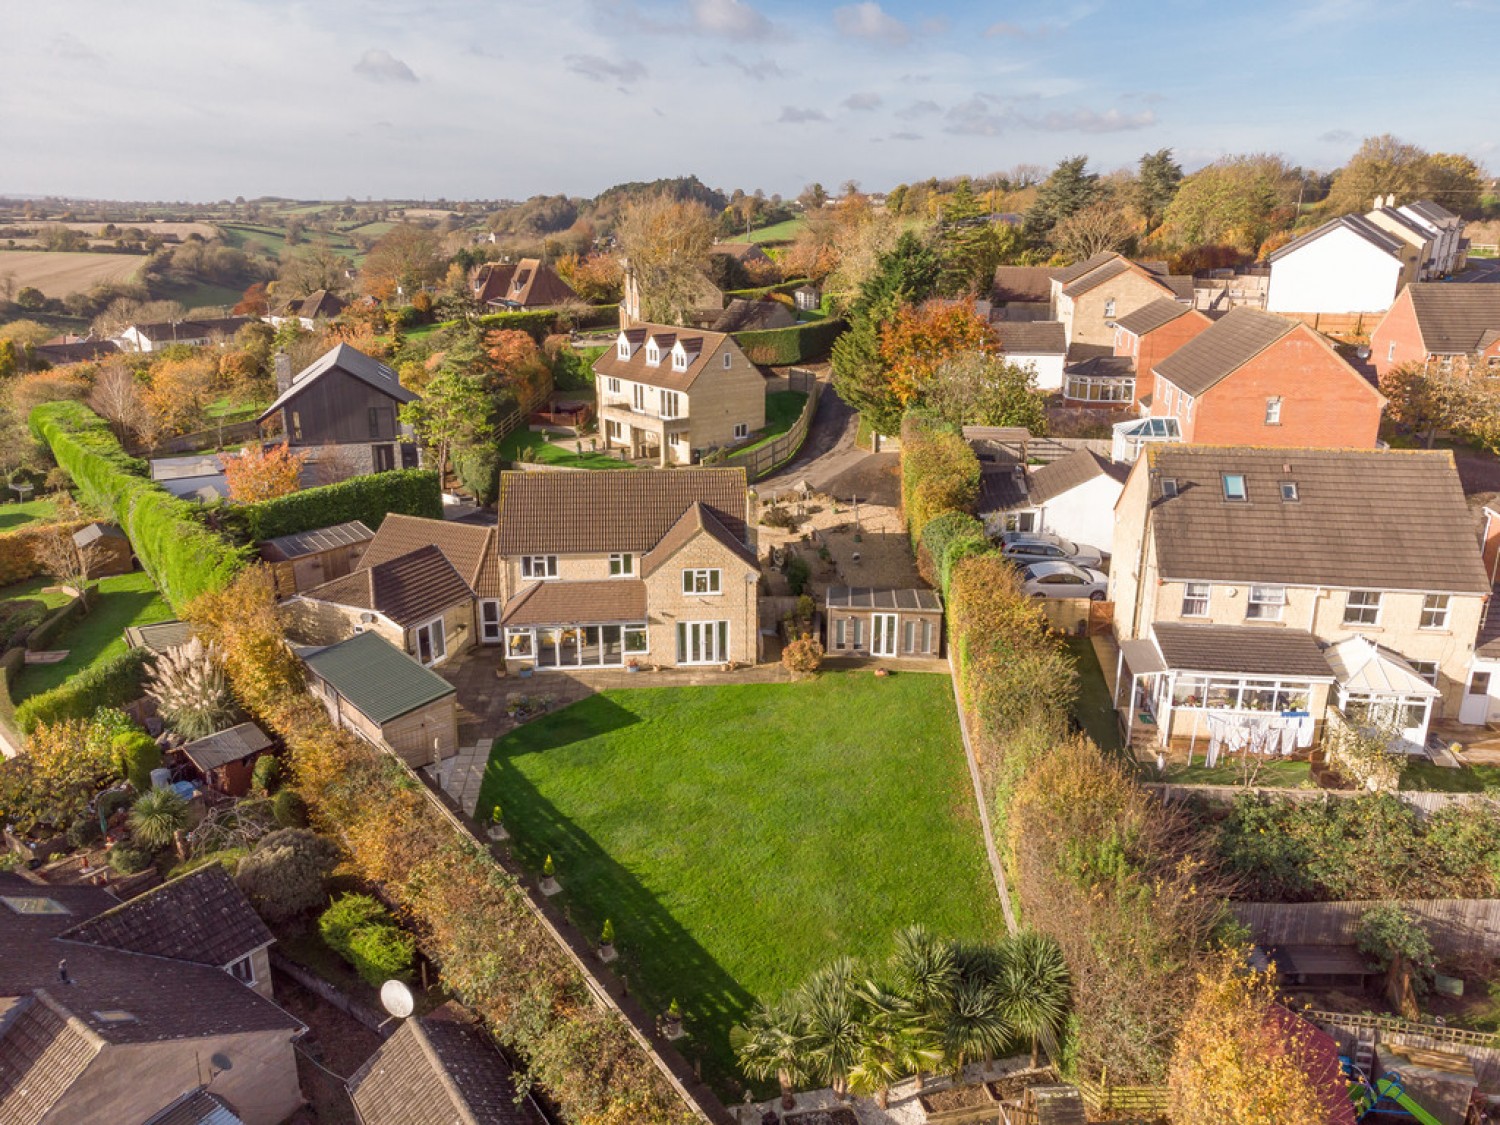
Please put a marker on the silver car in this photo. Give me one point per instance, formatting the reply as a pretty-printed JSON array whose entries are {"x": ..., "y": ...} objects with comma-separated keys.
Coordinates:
[
  {"x": 1039, "y": 546},
  {"x": 1061, "y": 579}
]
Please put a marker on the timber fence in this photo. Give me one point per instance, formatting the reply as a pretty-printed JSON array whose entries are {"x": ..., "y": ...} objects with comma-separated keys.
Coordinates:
[{"x": 1458, "y": 927}]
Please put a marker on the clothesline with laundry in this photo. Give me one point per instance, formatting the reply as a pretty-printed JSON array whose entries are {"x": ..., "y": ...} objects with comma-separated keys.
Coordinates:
[{"x": 1266, "y": 735}]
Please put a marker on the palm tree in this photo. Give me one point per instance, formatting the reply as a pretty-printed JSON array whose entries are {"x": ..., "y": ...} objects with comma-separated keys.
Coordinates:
[
  {"x": 1034, "y": 986},
  {"x": 923, "y": 971},
  {"x": 830, "y": 1011},
  {"x": 975, "y": 1026},
  {"x": 898, "y": 1040},
  {"x": 774, "y": 1042},
  {"x": 157, "y": 816}
]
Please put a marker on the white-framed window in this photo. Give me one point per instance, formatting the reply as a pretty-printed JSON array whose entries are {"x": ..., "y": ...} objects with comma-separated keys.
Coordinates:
[
  {"x": 727, "y": 361},
  {"x": 612, "y": 385},
  {"x": 702, "y": 642},
  {"x": 243, "y": 970},
  {"x": 489, "y": 621},
  {"x": 1195, "y": 599},
  {"x": 1289, "y": 491},
  {"x": 1234, "y": 487},
  {"x": 840, "y": 632},
  {"x": 1109, "y": 308},
  {"x": 1019, "y": 521},
  {"x": 701, "y": 580},
  {"x": 1362, "y": 607},
  {"x": 1266, "y": 603},
  {"x": 432, "y": 642},
  {"x": 622, "y": 348},
  {"x": 671, "y": 404},
  {"x": 653, "y": 353},
  {"x": 1435, "y": 611},
  {"x": 679, "y": 360},
  {"x": 538, "y": 566},
  {"x": 1427, "y": 669},
  {"x": 742, "y": 429},
  {"x": 1390, "y": 352},
  {"x": 1273, "y": 410},
  {"x": 621, "y": 565},
  {"x": 638, "y": 397},
  {"x": 520, "y": 644},
  {"x": 1113, "y": 388},
  {"x": 613, "y": 430}
]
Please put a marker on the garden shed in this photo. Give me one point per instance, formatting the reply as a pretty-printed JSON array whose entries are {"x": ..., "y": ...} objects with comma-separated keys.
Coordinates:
[
  {"x": 106, "y": 548},
  {"x": 375, "y": 690},
  {"x": 227, "y": 759},
  {"x": 884, "y": 624},
  {"x": 159, "y": 637},
  {"x": 309, "y": 558}
]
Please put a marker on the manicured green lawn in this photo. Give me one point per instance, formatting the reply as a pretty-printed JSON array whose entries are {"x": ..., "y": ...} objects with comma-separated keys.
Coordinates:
[
  {"x": 561, "y": 452},
  {"x": 32, "y": 590},
  {"x": 779, "y": 232},
  {"x": 126, "y": 599},
  {"x": 1273, "y": 775},
  {"x": 1468, "y": 779},
  {"x": 782, "y": 410},
  {"x": 741, "y": 836},
  {"x": 1093, "y": 708},
  {"x": 13, "y": 516}
]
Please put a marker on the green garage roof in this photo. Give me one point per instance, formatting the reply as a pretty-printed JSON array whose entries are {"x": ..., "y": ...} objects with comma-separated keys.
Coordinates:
[{"x": 376, "y": 677}]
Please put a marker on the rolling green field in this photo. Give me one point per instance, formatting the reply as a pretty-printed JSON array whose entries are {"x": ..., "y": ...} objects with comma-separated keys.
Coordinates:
[
  {"x": 779, "y": 232},
  {"x": 740, "y": 836}
]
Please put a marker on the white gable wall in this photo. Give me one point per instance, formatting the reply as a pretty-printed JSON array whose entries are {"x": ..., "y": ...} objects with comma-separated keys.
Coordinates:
[
  {"x": 1085, "y": 514},
  {"x": 1048, "y": 368},
  {"x": 1337, "y": 273}
]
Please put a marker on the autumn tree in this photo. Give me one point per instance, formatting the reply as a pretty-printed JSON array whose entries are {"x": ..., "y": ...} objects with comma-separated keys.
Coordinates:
[
  {"x": 1238, "y": 201},
  {"x": 1386, "y": 165},
  {"x": 968, "y": 245},
  {"x": 1069, "y": 189},
  {"x": 253, "y": 301},
  {"x": 180, "y": 391},
  {"x": 1243, "y": 1059},
  {"x": 977, "y": 389},
  {"x": 116, "y": 396},
  {"x": 1423, "y": 400},
  {"x": 406, "y": 258},
  {"x": 320, "y": 266},
  {"x": 456, "y": 407},
  {"x": 921, "y": 339},
  {"x": 60, "y": 555},
  {"x": 257, "y": 473},
  {"x": 1095, "y": 229},
  {"x": 597, "y": 279},
  {"x": 666, "y": 243}
]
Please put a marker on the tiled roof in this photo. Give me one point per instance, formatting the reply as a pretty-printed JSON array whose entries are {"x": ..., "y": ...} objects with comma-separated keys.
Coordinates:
[
  {"x": 1488, "y": 641},
  {"x": 697, "y": 518},
  {"x": 41, "y": 1055},
  {"x": 1001, "y": 487},
  {"x": 200, "y": 917},
  {"x": 1432, "y": 212},
  {"x": 197, "y": 1107},
  {"x": 1223, "y": 348},
  {"x": 169, "y": 330},
  {"x": 1067, "y": 473},
  {"x": 469, "y": 547},
  {"x": 1363, "y": 519},
  {"x": 864, "y": 597},
  {"x": 1148, "y": 318},
  {"x": 377, "y": 678},
  {"x": 1243, "y": 649},
  {"x": 302, "y": 543},
  {"x": 701, "y": 345},
  {"x": 1454, "y": 319},
  {"x": 586, "y": 513},
  {"x": 740, "y": 251},
  {"x": 437, "y": 1072},
  {"x": 603, "y": 602},
  {"x": 78, "y": 351},
  {"x": 1381, "y": 240},
  {"x": 1096, "y": 277},
  {"x": 1022, "y": 285},
  {"x": 741, "y": 315},
  {"x": 1069, "y": 274},
  {"x": 351, "y": 361},
  {"x": 225, "y": 746},
  {"x": 320, "y": 304},
  {"x": 1031, "y": 337},
  {"x": 409, "y": 589}
]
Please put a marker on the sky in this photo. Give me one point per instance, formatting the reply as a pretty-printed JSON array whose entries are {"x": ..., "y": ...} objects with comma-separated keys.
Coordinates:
[{"x": 504, "y": 99}]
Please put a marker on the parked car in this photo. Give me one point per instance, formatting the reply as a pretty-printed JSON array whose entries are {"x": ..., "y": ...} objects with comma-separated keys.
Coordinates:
[
  {"x": 1038, "y": 546},
  {"x": 1062, "y": 579}
]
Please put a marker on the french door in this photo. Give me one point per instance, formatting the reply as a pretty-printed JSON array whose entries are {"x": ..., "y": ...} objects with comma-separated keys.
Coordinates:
[
  {"x": 432, "y": 645},
  {"x": 882, "y": 634},
  {"x": 702, "y": 642}
]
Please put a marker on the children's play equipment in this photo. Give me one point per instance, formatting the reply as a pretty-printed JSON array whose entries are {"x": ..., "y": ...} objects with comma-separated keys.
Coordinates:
[{"x": 1386, "y": 1096}]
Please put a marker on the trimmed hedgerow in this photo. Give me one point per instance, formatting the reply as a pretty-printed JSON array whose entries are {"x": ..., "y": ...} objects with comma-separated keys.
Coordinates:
[
  {"x": 412, "y": 492},
  {"x": 939, "y": 473},
  {"x": 760, "y": 291},
  {"x": 183, "y": 557},
  {"x": 111, "y": 683},
  {"x": 945, "y": 540},
  {"x": 800, "y": 343}
]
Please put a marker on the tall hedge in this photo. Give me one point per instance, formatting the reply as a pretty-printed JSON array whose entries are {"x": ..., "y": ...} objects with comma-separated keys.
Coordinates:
[
  {"x": 760, "y": 291},
  {"x": 412, "y": 492},
  {"x": 939, "y": 472},
  {"x": 542, "y": 323},
  {"x": 945, "y": 540},
  {"x": 183, "y": 557},
  {"x": 801, "y": 343},
  {"x": 112, "y": 683}
]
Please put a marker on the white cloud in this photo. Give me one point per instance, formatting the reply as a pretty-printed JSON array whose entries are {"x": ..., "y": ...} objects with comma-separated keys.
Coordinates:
[
  {"x": 758, "y": 69},
  {"x": 862, "y": 101},
  {"x": 381, "y": 66},
  {"x": 1092, "y": 121},
  {"x": 793, "y": 115},
  {"x": 600, "y": 69},
  {"x": 868, "y": 20},
  {"x": 924, "y": 108},
  {"x": 729, "y": 17}
]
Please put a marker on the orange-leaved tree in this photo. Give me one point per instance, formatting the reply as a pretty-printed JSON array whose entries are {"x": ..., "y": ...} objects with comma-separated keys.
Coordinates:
[
  {"x": 258, "y": 473},
  {"x": 920, "y": 340}
]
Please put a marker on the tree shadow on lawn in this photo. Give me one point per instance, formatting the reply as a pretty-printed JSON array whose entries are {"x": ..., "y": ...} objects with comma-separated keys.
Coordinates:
[
  {"x": 662, "y": 960},
  {"x": 86, "y": 640}
]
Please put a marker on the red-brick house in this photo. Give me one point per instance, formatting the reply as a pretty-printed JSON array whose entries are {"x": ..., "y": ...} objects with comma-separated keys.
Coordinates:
[
  {"x": 1450, "y": 326},
  {"x": 1153, "y": 332},
  {"x": 1256, "y": 379}
]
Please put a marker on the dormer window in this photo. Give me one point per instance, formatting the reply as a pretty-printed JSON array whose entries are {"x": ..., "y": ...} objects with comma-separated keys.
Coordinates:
[
  {"x": 1234, "y": 487},
  {"x": 622, "y": 348},
  {"x": 653, "y": 353},
  {"x": 679, "y": 359}
]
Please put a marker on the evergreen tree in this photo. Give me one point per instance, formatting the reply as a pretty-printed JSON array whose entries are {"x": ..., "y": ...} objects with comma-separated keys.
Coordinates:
[
  {"x": 1067, "y": 191},
  {"x": 1160, "y": 177},
  {"x": 967, "y": 243}
]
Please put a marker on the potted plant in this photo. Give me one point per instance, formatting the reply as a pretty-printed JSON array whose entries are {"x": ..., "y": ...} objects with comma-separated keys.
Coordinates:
[
  {"x": 607, "y": 942},
  {"x": 549, "y": 884},
  {"x": 632, "y": 665},
  {"x": 672, "y": 1021},
  {"x": 497, "y": 825}
]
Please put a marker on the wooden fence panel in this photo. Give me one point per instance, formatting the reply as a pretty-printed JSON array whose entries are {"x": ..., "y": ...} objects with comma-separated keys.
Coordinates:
[
  {"x": 1458, "y": 927},
  {"x": 1481, "y": 1049},
  {"x": 764, "y": 460}
]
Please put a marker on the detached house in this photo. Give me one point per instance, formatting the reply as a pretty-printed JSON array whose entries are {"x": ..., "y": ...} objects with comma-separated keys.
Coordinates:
[
  {"x": 1252, "y": 378},
  {"x": 342, "y": 411},
  {"x": 667, "y": 394},
  {"x": 1257, "y": 589},
  {"x": 1450, "y": 328},
  {"x": 1089, "y": 297},
  {"x": 1153, "y": 332},
  {"x": 155, "y": 337},
  {"x": 307, "y": 311},
  {"x": 1347, "y": 265},
  {"x": 528, "y": 284},
  {"x": 603, "y": 569}
]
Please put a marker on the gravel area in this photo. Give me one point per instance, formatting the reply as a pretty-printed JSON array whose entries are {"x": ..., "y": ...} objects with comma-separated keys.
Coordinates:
[
  {"x": 866, "y": 545},
  {"x": 904, "y": 1109}
]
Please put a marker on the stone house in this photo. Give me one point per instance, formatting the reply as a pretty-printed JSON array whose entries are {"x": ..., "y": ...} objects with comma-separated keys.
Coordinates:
[
  {"x": 670, "y": 394},
  {"x": 647, "y": 567},
  {"x": 1089, "y": 297},
  {"x": 118, "y": 1012},
  {"x": 1451, "y": 329},
  {"x": 1262, "y": 587}
]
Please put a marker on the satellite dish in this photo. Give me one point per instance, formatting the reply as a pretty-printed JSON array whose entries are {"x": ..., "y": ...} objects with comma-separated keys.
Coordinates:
[
  {"x": 220, "y": 1061},
  {"x": 397, "y": 999},
  {"x": 1363, "y": 353}
]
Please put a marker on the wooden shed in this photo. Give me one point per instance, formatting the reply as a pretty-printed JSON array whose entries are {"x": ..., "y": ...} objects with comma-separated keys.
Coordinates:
[
  {"x": 106, "y": 548},
  {"x": 370, "y": 687},
  {"x": 310, "y": 558},
  {"x": 883, "y": 624},
  {"x": 227, "y": 759}
]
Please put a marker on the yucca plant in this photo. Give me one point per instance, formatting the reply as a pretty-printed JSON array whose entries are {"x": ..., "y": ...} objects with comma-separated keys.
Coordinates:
[
  {"x": 1034, "y": 986},
  {"x": 157, "y": 816},
  {"x": 773, "y": 1041},
  {"x": 191, "y": 690}
]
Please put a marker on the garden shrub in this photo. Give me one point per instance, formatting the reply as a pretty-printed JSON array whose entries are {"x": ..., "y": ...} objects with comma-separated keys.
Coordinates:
[
  {"x": 946, "y": 538},
  {"x": 360, "y": 930},
  {"x": 757, "y": 292},
  {"x": 349, "y": 913},
  {"x": 1387, "y": 932},
  {"x": 17, "y": 620},
  {"x": 266, "y": 773},
  {"x": 803, "y": 655},
  {"x": 84, "y": 832},
  {"x": 800, "y": 343},
  {"x": 284, "y": 875},
  {"x": 43, "y": 635},
  {"x": 289, "y": 810},
  {"x": 797, "y": 573},
  {"x": 136, "y": 754},
  {"x": 110, "y": 683},
  {"x": 412, "y": 492},
  {"x": 479, "y": 470},
  {"x": 127, "y": 860}
]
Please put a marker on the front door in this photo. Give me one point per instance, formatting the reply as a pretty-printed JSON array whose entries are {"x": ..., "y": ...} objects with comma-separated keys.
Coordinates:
[
  {"x": 385, "y": 457},
  {"x": 883, "y": 634},
  {"x": 1475, "y": 709},
  {"x": 489, "y": 621}
]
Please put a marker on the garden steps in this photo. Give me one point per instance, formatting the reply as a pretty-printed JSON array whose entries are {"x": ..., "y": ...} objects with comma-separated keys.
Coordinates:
[{"x": 46, "y": 656}]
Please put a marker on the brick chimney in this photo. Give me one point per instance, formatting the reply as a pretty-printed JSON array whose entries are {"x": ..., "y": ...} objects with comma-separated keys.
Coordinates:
[{"x": 283, "y": 372}]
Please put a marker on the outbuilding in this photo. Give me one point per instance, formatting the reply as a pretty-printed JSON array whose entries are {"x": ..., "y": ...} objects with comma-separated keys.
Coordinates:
[
  {"x": 227, "y": 758},
  {"x": 884, "y": 624},
  {"x": 309, "y": 558},
  {"x": 106, "y": 548}
]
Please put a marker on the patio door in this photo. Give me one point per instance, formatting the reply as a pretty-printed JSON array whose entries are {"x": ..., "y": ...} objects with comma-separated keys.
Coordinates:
[
  {"x": 702, "y": 642},
  {"x": 883, "y": 634},
  {"x": 431, "y": 644},
  {"x": 489, "y": 621}
]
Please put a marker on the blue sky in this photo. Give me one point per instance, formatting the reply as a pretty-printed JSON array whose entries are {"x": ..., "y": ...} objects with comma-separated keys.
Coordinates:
[{"x": 206, "y": 99}]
